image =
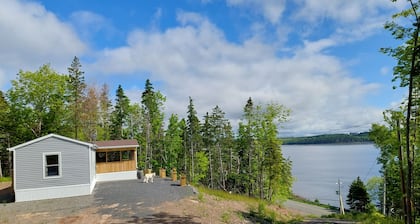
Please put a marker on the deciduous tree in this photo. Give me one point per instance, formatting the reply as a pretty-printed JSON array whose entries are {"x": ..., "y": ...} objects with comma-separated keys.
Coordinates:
[{"x": 37, "y": 101}]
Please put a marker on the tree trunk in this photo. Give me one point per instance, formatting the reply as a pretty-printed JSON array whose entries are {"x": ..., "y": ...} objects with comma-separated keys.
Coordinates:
[
  {"x": 211, "y": 170},
  {"x": 402, "y": 175},
  {"x": 222, "y": 171}
]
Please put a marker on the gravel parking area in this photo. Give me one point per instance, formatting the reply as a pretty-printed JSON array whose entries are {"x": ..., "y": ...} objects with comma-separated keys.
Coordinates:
[
  {"x": 134, "y": 198},
  {"x": 128, "y": 201}
]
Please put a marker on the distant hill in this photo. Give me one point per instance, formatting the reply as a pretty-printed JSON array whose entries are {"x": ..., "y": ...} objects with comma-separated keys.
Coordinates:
[{"x": 352, "y": 138}]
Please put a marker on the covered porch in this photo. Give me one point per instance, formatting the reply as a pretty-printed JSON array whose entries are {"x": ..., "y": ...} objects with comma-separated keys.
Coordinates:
[{"x": 116, "y": 159}]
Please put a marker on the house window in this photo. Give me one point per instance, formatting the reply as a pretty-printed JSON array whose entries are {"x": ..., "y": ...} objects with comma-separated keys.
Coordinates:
[
  {"x": 127, "y": 155},
  {"x": 113, "y": 156},
  {"x": 100, "y": 157},
  {"x": 52, "y": 165}
]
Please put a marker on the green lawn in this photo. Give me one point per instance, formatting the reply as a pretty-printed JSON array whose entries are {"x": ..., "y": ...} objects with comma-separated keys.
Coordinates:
[{"x": 5, "y": 179}]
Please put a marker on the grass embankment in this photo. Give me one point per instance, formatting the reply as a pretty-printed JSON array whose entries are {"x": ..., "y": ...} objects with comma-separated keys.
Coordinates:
[
  {"x": 5, "y": 179},
  {"x": 259, "y": 211},
  {"x": 368, "y": 218}
]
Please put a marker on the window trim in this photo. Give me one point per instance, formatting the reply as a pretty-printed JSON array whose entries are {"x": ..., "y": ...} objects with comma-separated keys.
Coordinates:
[{"x": 44, "y": 163}]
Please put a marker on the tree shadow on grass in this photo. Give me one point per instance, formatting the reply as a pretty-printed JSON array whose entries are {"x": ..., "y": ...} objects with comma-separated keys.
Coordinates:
[{"x": 164, "y": 218}]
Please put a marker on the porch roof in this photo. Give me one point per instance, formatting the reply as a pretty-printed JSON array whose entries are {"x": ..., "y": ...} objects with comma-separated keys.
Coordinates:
[{"x": 113, "y": 144}]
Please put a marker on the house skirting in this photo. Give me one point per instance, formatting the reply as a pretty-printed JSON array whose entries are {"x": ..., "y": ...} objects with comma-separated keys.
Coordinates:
[
  {"x": 53, "y": 192},
  {"x": 124, "y": 175}
]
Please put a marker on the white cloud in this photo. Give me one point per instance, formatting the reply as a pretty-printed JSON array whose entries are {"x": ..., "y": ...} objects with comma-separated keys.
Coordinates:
[
  {"x": 349, "y": 21},
  {"x": 343, "y": 11},
  {"x": 271, "y": 10},
  {"x": 32, "y": 36},
  {"x": 196, "y": 60}
]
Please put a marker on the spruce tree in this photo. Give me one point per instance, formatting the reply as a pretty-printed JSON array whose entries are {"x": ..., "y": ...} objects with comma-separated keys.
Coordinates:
[
  {"x": 120, "y": 114},
  {"x": 77, "y": 88},
  {"x": 358, "y": 198}
]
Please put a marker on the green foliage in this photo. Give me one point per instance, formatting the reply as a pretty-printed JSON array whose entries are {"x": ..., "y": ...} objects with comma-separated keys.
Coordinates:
[
  {"x": 193, "y": 139},
  {"x": 374, "y": 187},
  {"x": 367, "y": 218},
  {"x": 262, "y": 214},
  {"x": 358, "y": 198},
  {"x": 208, "y": 153},
  {"x": 268, "y": 173},
  {"x": 38, "y": 104},
  {"x": 174, "y": 143},
  {"x": 77, "y": 87},
  {"x": 202, "y": 164},
  {"x": 120, "y": 114},
  {"x": 6, "y": 179},
  {"x": 152, "y": 103}
]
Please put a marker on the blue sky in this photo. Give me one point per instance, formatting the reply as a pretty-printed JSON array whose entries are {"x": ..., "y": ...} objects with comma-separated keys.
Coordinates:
[{"x": 319, "y": 58}]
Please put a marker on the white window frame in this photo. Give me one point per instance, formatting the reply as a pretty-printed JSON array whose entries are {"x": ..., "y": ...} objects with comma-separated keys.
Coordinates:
[{"x": 44, "y": 159}]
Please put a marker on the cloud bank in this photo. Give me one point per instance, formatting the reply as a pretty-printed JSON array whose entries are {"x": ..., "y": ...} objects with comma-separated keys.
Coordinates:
[{"x": 194, "y": 58}]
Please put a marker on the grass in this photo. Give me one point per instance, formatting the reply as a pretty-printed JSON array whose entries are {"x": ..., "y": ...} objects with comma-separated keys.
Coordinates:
[
  {"x": 5, "y": 179},
  {"x": 226, "y": 217},
  {"x": 260, "y": 211},
  {"x": 367, "y": 218},
  {"x": 226, "y": 195}
]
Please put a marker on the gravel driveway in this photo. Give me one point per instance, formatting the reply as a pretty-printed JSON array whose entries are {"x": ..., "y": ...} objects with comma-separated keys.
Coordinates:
[
  {"x": 133, "y": 199},
  {"x": 126, "y": 201}
]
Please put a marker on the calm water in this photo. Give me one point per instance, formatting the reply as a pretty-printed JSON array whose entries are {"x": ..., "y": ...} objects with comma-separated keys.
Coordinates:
[{"x": 317, "y": 168}]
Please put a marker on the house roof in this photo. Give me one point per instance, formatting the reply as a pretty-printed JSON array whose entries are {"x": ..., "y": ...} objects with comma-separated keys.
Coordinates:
[
  {"x": 50, "y": 136},
  {"x": 112, "y": 144}
]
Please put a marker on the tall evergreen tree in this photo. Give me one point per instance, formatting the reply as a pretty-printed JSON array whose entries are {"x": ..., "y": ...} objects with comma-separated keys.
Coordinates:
[
  {"x": 152, "y": 103},
  {"x": 77, "y": 89},
  {"x": 193, "y": 139},
  {"x": 358, "y": 198},
  {"x": 173, "y": 143},
  {"x": 120, "y": 114}
]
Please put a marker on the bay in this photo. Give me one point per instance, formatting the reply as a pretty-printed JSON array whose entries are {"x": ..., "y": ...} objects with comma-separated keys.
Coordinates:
[{"x": 317, "y": 168}]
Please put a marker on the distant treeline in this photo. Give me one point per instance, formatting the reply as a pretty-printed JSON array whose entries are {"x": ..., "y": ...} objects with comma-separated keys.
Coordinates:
[{"x": 329, "y": 139}]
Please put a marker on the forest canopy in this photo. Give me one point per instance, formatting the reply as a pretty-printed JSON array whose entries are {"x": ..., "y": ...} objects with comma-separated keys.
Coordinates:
[{"x": 205, "y": 148}]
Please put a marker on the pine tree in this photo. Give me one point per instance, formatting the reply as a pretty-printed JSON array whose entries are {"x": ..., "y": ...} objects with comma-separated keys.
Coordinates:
[
  {"x": 358, "y": 198},
  {"x": 152, "y": 103},
  {"x": 193, "y": 137},
  {"x": 77, "y": 88},
  {"x": 120, "y": 114}
]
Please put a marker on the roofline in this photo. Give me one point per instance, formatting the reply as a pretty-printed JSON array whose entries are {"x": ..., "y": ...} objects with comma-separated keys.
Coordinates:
[
  {"x": 49, "y": 136},
  {"x": 117, "y": 147}
]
